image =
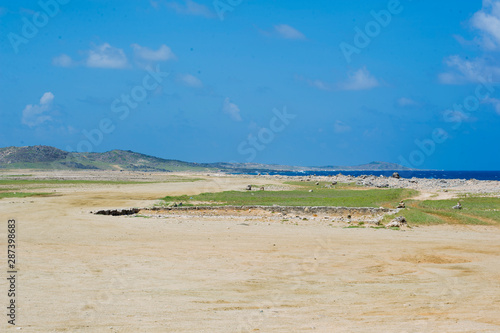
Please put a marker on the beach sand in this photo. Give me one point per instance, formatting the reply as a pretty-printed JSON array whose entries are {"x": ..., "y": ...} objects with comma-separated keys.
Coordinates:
[{"x": 80, "y": 272}]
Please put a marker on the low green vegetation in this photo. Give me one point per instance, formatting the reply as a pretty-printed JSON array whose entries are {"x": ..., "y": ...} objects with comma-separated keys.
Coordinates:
[
  {"x": 101, "y": 182},
  {"x": 61, "y": 181},
  {"x": 8, "y": 185},
  {"x": 475, "y": 210},
  {"x": 20, "y": 194},
  {"x": 346, "y": 195}
]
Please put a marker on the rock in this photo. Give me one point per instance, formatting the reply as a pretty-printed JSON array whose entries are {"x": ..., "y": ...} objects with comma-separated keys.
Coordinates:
[
  {"x": 396, "y": 175},
  {"x": 317, "y": 183},
  {"x": 249, "y": 187},
  {"x": 310, "y": 190},
  {"x": 397, "y": 222},
  {"x": 401, "y": 204},
  {"x": 262, "y": 188},
  {"x": 334, "y": 183},
  {"x": 458, "y": 206}
]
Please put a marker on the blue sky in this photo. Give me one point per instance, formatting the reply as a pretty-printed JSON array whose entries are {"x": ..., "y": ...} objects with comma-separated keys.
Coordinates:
[{"x": 287, "y": 82}]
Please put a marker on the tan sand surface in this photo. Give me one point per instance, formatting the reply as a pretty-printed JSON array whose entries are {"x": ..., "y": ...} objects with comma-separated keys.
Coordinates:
[{"x": 80, "y": 272}]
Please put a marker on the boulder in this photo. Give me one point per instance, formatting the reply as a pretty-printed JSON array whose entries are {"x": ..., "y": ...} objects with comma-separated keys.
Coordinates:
[
  {"x": 396, "y": 175},
  {"x": 397, "y": 222}
]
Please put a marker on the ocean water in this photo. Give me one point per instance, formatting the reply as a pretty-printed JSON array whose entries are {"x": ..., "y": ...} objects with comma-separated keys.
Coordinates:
[{"x": 432, "y": 174}]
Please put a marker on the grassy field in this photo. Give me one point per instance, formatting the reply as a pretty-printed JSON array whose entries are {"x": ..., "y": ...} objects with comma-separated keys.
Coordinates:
[
  {"x": 476, "y": 210},
  {"x": 21, "y": 182},
  {"x": 14, "y": 188},
  {"x": 20, "y": 194},
  {"x": 347, "y": 195}
]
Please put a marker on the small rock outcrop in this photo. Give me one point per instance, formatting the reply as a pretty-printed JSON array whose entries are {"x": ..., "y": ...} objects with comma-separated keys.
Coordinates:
[
  {"x": 116, "y": 212},
  {"x": 397, "y": 222}
]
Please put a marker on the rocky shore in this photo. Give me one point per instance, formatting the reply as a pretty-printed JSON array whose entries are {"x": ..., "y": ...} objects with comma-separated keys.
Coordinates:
[{"x": 458, "y": 186}]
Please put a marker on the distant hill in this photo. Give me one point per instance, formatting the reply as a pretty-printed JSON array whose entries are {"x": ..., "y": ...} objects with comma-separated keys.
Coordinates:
[
  {"x": 46, "y": 157},
  {"x": 247, "y": 167},
  {"x": 379, "y": 166}
]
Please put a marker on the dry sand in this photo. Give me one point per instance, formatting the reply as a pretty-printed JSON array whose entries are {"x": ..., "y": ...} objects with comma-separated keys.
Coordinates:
[{"x": 80, "y": 272}]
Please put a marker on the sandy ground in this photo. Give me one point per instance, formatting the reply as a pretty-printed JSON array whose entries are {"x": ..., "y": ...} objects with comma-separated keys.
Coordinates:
[{"x": 85, "y": 273}]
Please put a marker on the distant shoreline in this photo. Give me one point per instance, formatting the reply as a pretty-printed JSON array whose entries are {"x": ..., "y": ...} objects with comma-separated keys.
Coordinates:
[{"x": 421, "y": 174}]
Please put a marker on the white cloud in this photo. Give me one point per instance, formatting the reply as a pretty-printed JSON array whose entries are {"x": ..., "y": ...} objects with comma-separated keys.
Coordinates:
[
  {"x": 231, "y": 109},
  {"x": 154, "y": 4},
  {"x": 487, "y": 21},
  {"x": 319, "y": 84},
  {"x": 164, "y": 53},
  {"x": 403, "y": 102},
  {"x": 63, "y": 60},
  {"x": 495, "y": 102},
  {"x": 288, "y": 32},
  {"x": 456, "y": 116},
  {"x": 464, "y": 71},
  {"x": 106, "y": 56},
  {"x": 36, "y": 114},
  {"x": 359, "y": 80},
  {"x": 191, "y": 8},
  {"x": 340, "y": 127},
  {"x": 190, "y": 80},
  {"x": 483, "y": 68}
]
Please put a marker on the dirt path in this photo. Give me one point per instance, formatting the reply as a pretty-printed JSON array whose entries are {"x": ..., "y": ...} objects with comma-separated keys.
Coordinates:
[
  {"x": 435, "y": 195},
  {"x": 84, "y": 273}
]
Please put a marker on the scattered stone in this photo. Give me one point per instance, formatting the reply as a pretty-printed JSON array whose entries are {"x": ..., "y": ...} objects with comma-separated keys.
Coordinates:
[
  {"x": 396, "y": 175},
  {"x": 310, "y": 190},
  {"x": 116, "y": 212},
  {"x": 397, "y": 222},
  {"x": 317, "y": 183}
]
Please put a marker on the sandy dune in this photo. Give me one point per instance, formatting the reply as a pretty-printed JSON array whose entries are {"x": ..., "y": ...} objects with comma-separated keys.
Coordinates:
[{"x": 84, "y": 273}]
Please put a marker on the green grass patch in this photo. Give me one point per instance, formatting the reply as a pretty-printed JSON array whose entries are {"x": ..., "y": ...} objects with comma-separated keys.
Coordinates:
[
  {"x": 61, "y": 181},
  {"x": 342, "y": 195},
  {"x": 475, "y": 211},
  {"x": 101, "y": 182},
  {"x": 21, "y": 194}
]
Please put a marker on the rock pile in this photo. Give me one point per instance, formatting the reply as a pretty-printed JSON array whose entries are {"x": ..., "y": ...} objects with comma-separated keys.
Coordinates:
[{"x": 397, "y": 222}]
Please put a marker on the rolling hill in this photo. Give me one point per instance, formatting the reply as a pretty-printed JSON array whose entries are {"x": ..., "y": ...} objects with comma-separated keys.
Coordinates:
[{"x": 46, "y": 157}]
